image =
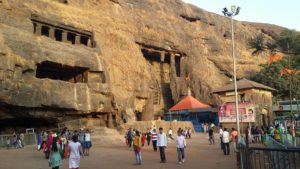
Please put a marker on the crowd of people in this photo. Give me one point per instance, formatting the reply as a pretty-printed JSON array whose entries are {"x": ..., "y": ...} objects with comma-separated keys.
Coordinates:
[
  {"x": 65, "y": 144},
  {"x": 136, "y": 140},
  {"x": 74, "y": 145},
  {"x": 254, "y": 134},
  {"x": 17, "y": 141}
]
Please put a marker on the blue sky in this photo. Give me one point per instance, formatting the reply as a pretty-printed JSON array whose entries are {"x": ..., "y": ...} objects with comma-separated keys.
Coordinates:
[{"x": 284, "y": 13}]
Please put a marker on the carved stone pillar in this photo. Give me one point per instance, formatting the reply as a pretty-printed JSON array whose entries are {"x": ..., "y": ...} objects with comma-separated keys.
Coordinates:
[
  {"x": 38, "y": 29},
  {"x": 51, "y": 33},
  {"x": 110, "y": 121},
  {"x": 173, "y": 79},
  {"x": 172, "y": 66},
  {"x": 64, "y": 36},
  {"x": 162, "y": 56},
  {"x": 89, "y": 43},
  {"x": 77, "y": 39}
]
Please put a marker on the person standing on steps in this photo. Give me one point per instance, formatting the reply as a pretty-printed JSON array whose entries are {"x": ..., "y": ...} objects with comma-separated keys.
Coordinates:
[
  {"x": 154, "y": 139},
  {"x": 162, "y": 144}
]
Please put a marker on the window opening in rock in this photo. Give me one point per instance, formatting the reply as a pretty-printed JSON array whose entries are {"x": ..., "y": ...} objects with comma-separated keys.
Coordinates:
[
  {"x": 177, "y": 65},
  {"x": 84, "y": 37},
  {"x": 45, "y": 31},
  {"x": 71, "y": 37},
  {"x": 57, "y": 71},
  {"x": 58, "y": 35},
  {"x": 167, "y": 58},
  {"x": 34, "y": 27},
  {"x": 138, "y": 116},
  {"x": 84, "y": 40},
  {"x": 151, "y": 55}
]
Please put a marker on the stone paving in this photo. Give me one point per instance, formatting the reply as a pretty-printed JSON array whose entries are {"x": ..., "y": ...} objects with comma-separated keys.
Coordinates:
[{"x": 199, "y": 154}]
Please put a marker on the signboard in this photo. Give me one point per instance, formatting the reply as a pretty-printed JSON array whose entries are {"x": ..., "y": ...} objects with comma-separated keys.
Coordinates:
[{"x": 227, "y": 113}]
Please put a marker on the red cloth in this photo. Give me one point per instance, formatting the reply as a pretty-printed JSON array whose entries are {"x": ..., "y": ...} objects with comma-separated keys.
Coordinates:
[
  {"x": 143, "y": 138},
  {"x": 67, "y": 151},
  {"x": 49, "y": 141}
]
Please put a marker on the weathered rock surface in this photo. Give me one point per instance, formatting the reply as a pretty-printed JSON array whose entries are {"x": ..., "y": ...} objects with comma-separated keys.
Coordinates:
[{"x": 132, "y": 57}]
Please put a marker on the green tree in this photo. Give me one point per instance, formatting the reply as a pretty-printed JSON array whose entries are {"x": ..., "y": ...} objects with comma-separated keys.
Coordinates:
[
  {"x": 257, "y": 43},
  {"x": 270, "y": 76},
  {"x": 289, "y": 44}
]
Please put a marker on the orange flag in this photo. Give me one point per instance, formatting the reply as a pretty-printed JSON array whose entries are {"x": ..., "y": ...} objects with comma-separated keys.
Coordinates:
[
  {"x": 285, "y": 70},
  {"x": 274, "y": 57}
]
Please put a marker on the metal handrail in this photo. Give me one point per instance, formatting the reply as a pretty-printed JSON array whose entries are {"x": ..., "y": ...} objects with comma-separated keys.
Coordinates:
[{"x": 276, "y": 149}]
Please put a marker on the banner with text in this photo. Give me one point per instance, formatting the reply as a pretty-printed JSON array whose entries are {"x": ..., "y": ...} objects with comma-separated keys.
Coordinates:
[{"x": 227, "y": 114}]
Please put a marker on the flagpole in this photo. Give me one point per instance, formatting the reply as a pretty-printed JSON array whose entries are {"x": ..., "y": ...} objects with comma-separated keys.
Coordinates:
[{"x": 291, "y": 97}]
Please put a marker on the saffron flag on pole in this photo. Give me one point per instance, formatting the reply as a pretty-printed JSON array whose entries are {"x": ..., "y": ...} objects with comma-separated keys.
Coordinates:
[
  {"x": 285, "y": 70},
  {"x": 274, "y": 57}
]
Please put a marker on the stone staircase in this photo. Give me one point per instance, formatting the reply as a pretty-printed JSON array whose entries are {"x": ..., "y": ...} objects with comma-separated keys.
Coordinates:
[
  {"x": 157, "y": 93},
  {"x": 106, "y": 136},
  {"x": 167, "y": 95}
]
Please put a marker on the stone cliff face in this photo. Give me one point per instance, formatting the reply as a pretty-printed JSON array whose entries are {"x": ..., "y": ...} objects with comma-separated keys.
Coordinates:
[{"x": 117, "y": 60}]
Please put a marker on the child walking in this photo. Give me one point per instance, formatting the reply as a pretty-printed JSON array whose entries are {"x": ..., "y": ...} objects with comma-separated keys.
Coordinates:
[
  {"x": 137, "y": 148},
  {"x": 181, "y": 145}
]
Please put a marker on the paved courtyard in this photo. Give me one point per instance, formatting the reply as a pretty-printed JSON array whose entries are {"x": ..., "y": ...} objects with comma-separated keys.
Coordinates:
[{"x": 199, "y": 154}]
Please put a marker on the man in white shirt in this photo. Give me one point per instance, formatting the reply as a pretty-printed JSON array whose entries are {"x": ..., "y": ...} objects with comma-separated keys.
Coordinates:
[
  {"x": 221, "y": 133},
  {"x": 226, "y": 140},
  {"x": 180, "y": 145},
  {"x": 162, "y": 144}
]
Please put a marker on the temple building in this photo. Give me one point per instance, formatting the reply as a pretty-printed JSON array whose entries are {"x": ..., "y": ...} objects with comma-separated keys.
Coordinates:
[
  {"x": 191, "y": 109},
  {"x": 255, "y": 103}
]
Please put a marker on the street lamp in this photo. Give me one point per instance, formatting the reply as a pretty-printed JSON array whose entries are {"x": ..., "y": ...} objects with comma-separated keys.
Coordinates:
[{"x": 234, "y": 11}]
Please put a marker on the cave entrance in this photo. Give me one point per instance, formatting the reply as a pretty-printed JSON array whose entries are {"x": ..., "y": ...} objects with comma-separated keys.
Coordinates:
[
  {"x": 57, "y": 71},
  {"x": 45, "y": 31},
  {"x": 58, "y": 35},
  {"x": 177, "y": 66},
  {"x": 151, "y": 56},
  {"x": 71, "y": 37},
  {"x": 138, "y": 116},
  {"x": 84, "y": 40}
]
